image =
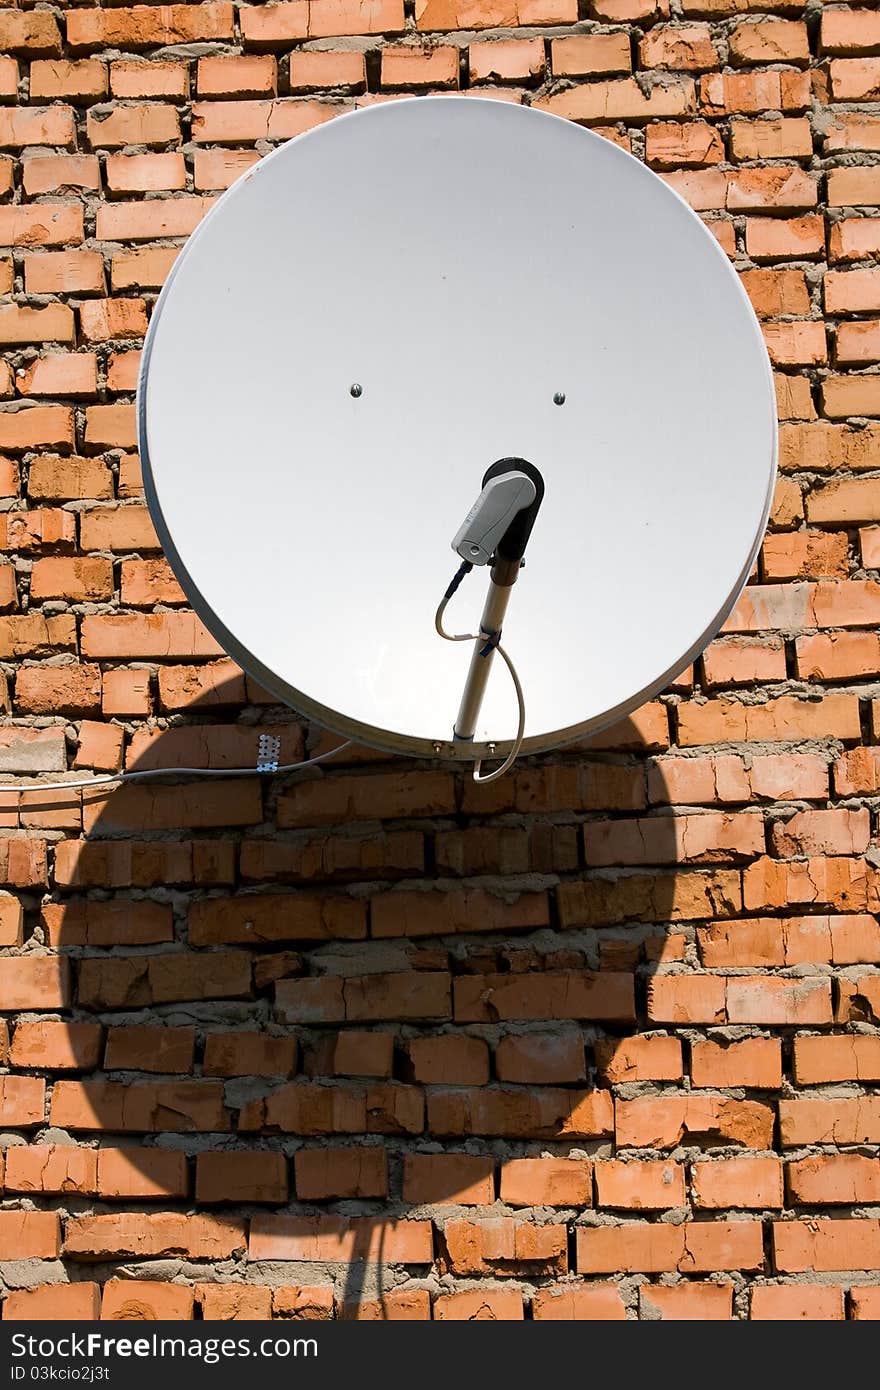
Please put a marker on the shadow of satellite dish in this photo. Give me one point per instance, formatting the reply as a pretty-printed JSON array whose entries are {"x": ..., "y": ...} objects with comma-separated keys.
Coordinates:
[
  {"x": 310, "y": 960},
  {"x": 379, "y": 958}
]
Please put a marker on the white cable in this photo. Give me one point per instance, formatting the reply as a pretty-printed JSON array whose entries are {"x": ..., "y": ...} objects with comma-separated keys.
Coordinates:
[
  {"x": 103, "y": 781},
  {"x": 481, "y": 637}
]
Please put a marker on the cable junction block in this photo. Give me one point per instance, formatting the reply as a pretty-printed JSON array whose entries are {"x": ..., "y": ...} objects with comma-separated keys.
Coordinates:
[{"x": 268, "y": 753}]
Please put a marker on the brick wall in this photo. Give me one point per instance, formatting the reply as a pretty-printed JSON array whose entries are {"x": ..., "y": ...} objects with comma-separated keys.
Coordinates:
[{"x": 597, "y": 1041}]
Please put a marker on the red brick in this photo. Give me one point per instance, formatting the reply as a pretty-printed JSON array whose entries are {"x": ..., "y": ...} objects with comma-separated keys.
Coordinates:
[
  {"x": 679, "y": 47},
  {"x": 792, "y": 1302},
  {"x": 145, "y": 26},
  {"x": 451, "y": 1059},
  {"x": 850, "y": 31},
  {"x": 312, "y": 70},
  {"x": 851, "y": 291},
  {"x": 846, "y": 1120},
  {"x": 865, "y": 1303},
  {"x": 693, "y": 1247},
  {"x": 821, "y": 1244},
  {"x": 56, "y": 80},
  {"x": 428, "y": 1179},
  {"x": 786, "y": 718},
  {"x": 833, "y": 1180},
  {"x": 770, "y": 41},
  {"x": 149, "y": 79},
  {"x": 587, "y": 995},
  {"x": 664, "y": 1122},
  {"x": 29, "y": 1235},
  {"x": 56, "y": 1046},
  {"x": 241, "y": 1176},
  {"x": 673, "y": 144},
  {"x": 540, "y": 1112},
  {"x": 234, "y": 1302},
  {"x": 141, "y": 1174},
  {"x": 639, "y": 1059},
  {"x": 249, "y": 76},
  {"x": 639, "y": 1186},
  {"x": 805, "y": 555},
  {"x": 541, "y": 1058},
  {"x": 547, "y": 1182},
  {"x": 786, "y": 137},
  {"x": 153, "y": 1049},
  {"x": 35, "y": 982},
  {"x": 335, "y": 1239},
  {"x": 818, "y": 1061},
  {"x": 165, "y": 1107},
  {"x": 133, "y": 1300},
  {"x": 686, "y": 1302},
  {"x": 22, "y": 1101},
  {"x": 513, "y": 60},
  {"x": 79, "y": 1302},
  {"x": 622, "y": 99},
  {"x": 750, "y": 93},
  {"x": 486, "y": 1304},
  {"x": 593, "y": 1302},
  {"x": 748, "y": 1183},
  {"x": 406, "y": 66}
]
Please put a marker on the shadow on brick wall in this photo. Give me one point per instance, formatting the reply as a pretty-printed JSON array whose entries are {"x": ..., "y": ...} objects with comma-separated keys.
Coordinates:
[{"x": 364, "y": 1019}]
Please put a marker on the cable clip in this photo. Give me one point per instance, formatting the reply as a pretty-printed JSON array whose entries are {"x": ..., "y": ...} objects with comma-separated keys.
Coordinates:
[{"x": 268, "y": 753}]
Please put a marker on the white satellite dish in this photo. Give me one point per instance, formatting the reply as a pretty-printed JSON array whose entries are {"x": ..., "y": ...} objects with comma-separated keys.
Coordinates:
[{"x": 373, "y": 317}]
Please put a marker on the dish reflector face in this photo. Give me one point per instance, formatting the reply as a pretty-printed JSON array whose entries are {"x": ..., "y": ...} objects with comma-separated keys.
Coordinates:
[{"x": 464, "y": 262}]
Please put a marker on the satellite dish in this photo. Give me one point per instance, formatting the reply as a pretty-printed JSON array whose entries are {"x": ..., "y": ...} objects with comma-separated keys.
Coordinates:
[{"x": 425, "y": 303}]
